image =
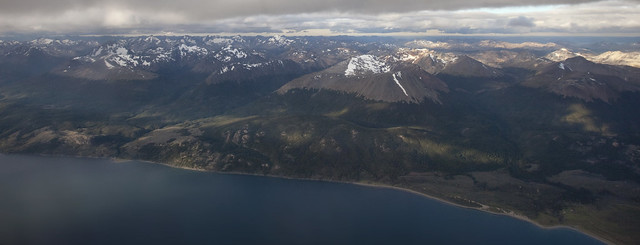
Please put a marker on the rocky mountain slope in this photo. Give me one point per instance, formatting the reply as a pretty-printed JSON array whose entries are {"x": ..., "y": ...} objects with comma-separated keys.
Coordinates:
[{"x": 371, "y": 78}]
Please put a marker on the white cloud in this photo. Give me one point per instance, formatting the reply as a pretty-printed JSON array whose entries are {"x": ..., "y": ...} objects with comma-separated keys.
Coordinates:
[
  {"x": 120, "y": 18},
  {"x": 453, "y": 16}
]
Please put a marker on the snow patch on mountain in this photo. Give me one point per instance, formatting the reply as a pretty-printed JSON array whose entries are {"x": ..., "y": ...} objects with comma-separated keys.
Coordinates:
[
  {"x": 564, "y": 66},
  {"x": 248, "y": 67},
  {"x": 218, "y": 41},
  {"x": 447, "y": 59},
  {"x": 122, "y": 57},
  {"x": 365, "y": 63},
  {"x": 395, "y": 78},
  {"x": 67, "y": 42},
  {"x": 122, "y": 51},
  {"x": 185, "y": 50},
  {"x": 161, "y": 55},
  {"x": 279, "y": 40},
  {"x": 230, "y": 54},
  {"x": 188, "y": 39},
  {"x": 224, "y": 70},
  {"x": 255, "y": 65},
  {"x": 98, "y": 52},
  {"x": 109, "y": 65},
  {"x": 411, "y": 55}
]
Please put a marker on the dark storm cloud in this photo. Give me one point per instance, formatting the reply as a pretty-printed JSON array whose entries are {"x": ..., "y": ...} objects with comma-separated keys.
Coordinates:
[{"x": 521, "y": 21}]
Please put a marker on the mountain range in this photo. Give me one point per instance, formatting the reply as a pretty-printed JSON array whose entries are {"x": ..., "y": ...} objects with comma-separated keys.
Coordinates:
[{"x": 542, "y": 130}]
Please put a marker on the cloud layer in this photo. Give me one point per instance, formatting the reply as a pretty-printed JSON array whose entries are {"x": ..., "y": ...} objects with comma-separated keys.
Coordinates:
[{"x": 338, "y": 16}]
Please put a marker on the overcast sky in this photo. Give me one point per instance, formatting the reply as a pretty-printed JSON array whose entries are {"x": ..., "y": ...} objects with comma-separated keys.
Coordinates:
[{"x": 322, "y": 17}]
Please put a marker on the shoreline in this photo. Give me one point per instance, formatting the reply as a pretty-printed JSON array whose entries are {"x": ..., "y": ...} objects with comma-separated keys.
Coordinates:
[
  {"x": 363, "y": 184},
  {"x": 385, "y": 186},
  {"x": 481, "y": 209}
]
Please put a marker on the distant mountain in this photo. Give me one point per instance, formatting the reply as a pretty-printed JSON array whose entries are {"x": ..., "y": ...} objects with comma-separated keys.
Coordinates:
[
  {"x": 508, "y": 58},
  {"x": 447, "y": 63},
  {"x": 467, "y": 67},
  {"x": 143, "y": 58},
  {"x": 580, "y": 78},
  {"x": 617, "y": 58},
  {"x": 428, "y": 60},
  {"x": 608, "y": 57},
  {"x": 479, "y": 45}
]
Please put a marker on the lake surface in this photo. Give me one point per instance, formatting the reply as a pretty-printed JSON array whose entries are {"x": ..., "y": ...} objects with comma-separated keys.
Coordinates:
[{"x": 54, "y": 200}]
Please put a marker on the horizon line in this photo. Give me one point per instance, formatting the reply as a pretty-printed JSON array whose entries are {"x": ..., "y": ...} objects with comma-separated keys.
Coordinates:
[{"x": 328, "y": 33}]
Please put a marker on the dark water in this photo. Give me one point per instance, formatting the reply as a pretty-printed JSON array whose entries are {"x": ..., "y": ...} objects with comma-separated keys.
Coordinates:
[{"x": 50, "y": 200}]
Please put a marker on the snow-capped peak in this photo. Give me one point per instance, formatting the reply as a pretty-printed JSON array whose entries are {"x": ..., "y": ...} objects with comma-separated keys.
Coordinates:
[
  {"x": 152, "y": 39},
  {"x": 42, "y": 41},
  {"x": 184, "y": 50},
  {"x": 219, "y": 40},
  {"x": 414, "y": 55},
  {"x": 560, "y": 55},
  {"x": 112, "y": 54},
  {"x": 447, "y": 58},
  {"x": 365, "y": 63},
  {"x": 411, "y": 55},
  {"x": 279, "y": 40}
]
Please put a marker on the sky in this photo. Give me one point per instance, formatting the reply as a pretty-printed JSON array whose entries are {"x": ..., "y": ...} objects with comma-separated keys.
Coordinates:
[{"x": 322, "y": 17}]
